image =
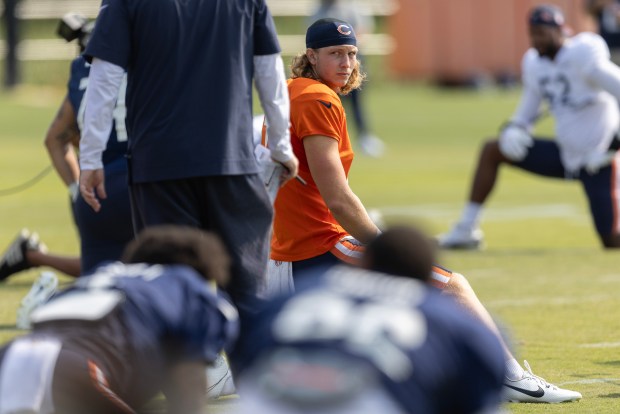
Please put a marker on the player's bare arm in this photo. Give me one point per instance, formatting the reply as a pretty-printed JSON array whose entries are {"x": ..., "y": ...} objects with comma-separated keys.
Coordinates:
[
  {"x": 62, "y": 135},
  {"x": 328, "y": 174}
]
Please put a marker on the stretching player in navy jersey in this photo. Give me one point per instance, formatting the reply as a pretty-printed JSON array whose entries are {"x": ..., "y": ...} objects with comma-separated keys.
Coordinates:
[
  {"x": 102, "y": 236},
  {"x": 354, "y": 340},
  {"x": 126, "y": 332}
]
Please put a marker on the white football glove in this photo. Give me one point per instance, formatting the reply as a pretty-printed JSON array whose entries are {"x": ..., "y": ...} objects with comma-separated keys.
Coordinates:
[
  {"x": 595, "y": 160},
  {"x": 514, "y": 142}
]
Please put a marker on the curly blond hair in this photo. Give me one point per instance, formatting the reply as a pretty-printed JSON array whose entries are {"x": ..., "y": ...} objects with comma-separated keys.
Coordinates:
[{"x": 302, "y": 68}]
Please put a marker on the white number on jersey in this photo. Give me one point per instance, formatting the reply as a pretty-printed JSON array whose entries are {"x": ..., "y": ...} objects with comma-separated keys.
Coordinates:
[{"x": 379, "y": 331}]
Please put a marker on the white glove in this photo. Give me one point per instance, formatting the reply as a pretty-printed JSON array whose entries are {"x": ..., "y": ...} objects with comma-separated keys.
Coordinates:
[
  {"x": 595, "y": 160},
  {"x": 514, "y": 142}
]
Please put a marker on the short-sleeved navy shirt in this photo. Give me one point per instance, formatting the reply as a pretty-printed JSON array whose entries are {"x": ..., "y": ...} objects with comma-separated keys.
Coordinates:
[{"x": 189, "y": 90}]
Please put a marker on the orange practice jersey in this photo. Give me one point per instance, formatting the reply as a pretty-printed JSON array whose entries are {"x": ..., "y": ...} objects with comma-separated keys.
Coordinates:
[{"x": 303, "y": 225}]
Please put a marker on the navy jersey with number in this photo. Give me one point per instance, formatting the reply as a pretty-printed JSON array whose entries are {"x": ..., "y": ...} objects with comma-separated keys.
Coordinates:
[
  {"x": 429, "y": 355},
  {"x": 135, "y": 321}
]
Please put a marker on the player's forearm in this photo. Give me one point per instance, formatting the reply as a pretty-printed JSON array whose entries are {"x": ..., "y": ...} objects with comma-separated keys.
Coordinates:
[
  {"x": 62, "y": 134},
  {"x": 527, "y": 113},
  {"x": 350, "y": 213},
  {"x": 104, "y": 82},
  {"x": 65, "y": 163},
  {"x": 273, "y": 94}
]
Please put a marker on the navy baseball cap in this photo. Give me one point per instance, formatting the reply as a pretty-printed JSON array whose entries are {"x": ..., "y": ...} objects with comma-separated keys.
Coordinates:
[
  {"x": 546, "y": 15},
  {"x": 330, "y": 32}
]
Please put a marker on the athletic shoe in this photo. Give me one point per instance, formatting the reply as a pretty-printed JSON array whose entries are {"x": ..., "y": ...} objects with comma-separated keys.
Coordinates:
[
  {"x": 42, "y": 289},
  {"x": 14, "y": 259},
  {"x": 533, "y": 389},
  {"x": 461, "y": 237},
  {"x": 371, "y": 145},
  {"x": 219, "y": 379}
]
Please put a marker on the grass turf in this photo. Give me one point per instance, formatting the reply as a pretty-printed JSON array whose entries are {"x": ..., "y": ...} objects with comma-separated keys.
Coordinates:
[{"x": 543, "y": 274}]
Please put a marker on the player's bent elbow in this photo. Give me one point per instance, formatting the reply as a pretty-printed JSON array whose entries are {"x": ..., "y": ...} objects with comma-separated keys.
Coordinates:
[{"x": 50, "y": 143}]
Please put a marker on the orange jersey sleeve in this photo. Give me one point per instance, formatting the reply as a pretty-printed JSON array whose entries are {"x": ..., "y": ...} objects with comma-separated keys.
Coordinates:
[{"x": 303, "y": 225}]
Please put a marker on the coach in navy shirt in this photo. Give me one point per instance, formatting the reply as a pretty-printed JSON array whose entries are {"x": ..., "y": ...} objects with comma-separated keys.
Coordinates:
[{"x": 190, "y": 66}]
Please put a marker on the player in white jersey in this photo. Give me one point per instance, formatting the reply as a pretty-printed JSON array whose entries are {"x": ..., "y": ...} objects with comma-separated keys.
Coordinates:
[{"x": 581, "y": 87}]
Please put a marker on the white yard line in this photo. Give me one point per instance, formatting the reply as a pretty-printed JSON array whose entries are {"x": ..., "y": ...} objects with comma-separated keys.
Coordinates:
[
  {"x": 601, "y": 345},
  {"x": 492, "y": 213},
  {"x": 590, "y": 381},
  {"x": 548, "y": 301}
]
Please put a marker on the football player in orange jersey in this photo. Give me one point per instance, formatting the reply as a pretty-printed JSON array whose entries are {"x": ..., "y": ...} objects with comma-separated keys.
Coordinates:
[{"x": 324, "y": 223}]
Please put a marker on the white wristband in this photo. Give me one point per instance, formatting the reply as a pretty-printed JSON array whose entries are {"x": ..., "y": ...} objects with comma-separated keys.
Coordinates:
[{"x": 74, "y": 190}]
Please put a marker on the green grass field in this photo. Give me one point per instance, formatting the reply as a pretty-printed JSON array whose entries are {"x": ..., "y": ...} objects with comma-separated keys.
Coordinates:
[{"x": 543, "y": 274}]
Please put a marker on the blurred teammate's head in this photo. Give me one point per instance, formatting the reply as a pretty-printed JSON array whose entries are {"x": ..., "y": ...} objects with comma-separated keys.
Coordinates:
[
  {"x": 546, "y": 29},
  {"x": 330, "y": 56},
  {"x": 401, "y": 251},
  {"x": 170, "y": 244}
]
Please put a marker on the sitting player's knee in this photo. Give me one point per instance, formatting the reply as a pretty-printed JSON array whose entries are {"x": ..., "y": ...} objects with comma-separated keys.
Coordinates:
[
  {"x": 457, "y": 286},
  {"x": 490, "y": 151}
]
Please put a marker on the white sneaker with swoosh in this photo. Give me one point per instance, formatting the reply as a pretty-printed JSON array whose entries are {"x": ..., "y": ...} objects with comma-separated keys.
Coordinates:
[{"x": 534, "y": 389}]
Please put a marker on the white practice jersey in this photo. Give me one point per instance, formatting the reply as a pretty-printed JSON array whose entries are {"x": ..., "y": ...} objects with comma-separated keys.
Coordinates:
[{"x": 581, "y": 88}]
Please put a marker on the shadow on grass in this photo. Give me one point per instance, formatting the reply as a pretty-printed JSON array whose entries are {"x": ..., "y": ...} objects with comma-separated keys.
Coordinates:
[
  {"x": 612, "y": 363},
  {"x": 614, "y": 395}
]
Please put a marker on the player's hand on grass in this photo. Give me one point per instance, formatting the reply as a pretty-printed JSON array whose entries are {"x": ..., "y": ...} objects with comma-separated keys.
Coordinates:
[
  {"x": 92, "y": 187},
  {"x": 514, "y": 142}
]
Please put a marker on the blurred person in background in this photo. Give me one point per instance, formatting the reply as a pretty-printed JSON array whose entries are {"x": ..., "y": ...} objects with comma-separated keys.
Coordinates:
[
  {"x": 607, "y": 16},
  {"x": 358, "y": 15},
  {"x": 121, "y": 335},
  {"x": 581, "y": 86}
]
